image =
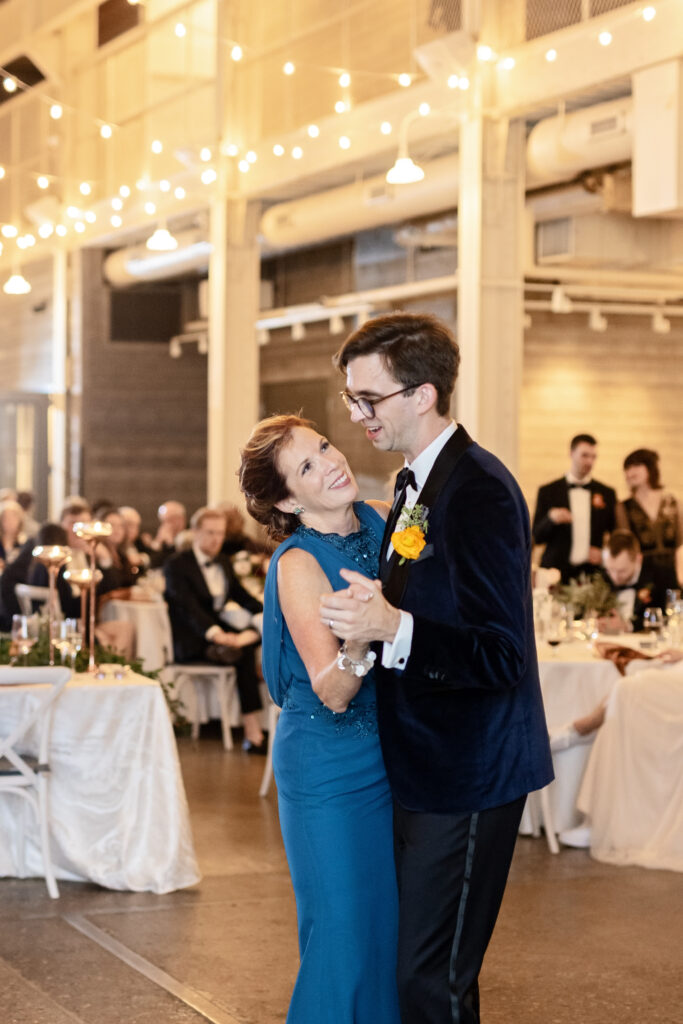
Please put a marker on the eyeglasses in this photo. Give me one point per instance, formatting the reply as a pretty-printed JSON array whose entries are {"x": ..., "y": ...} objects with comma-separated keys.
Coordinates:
[{"x": 366, "y": 406}]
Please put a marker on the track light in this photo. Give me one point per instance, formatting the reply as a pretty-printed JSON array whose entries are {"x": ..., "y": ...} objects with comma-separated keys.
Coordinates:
[
  {"x": 560, "y": 301},
  {"x": 660, "y": 324},
  {"x": 596, "y": 321},
  {"x": 298, "y": 331}
]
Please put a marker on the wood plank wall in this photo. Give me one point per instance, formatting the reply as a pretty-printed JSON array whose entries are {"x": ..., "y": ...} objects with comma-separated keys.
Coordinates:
[{"x": 26, "y": 333}]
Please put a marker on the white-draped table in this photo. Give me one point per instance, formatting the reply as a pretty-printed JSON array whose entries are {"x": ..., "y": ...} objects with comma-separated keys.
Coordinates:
[
  {"x": 119, "y": 815},
  {"x": 153, "y": 638},
  {"x": 573, "y": 682}
]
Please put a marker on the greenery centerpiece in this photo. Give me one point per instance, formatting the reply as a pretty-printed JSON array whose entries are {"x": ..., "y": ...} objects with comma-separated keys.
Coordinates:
[{"x": 587, "y": 595}]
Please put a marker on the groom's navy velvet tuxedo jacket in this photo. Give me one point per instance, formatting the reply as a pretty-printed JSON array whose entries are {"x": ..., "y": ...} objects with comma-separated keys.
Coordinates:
[{"x": 463, "y": 727}]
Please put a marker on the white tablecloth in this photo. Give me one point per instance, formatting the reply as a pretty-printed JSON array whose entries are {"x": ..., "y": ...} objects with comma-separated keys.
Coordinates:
[
  {"x": 118, "y": 809},
  {"x": 633, "y": 785},
  {"x": 153, "y": 638},
  {"x": 573, "y": 681}
]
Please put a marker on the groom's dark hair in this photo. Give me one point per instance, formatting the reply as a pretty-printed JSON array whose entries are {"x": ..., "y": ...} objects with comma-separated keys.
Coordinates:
[{"x": 417, "y": 348}]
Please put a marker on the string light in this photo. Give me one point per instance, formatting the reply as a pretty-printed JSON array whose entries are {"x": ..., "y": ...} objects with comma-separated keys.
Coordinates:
[
  {"x": 141, "y": 184},
  {"x": 91, "y": 216},
  {"x": 164, "y": 185},
  {"x": 485, "y": 53},
  {"x": 61, "y": 230},
  {"x": 73, "y": 212},
  {"x": 385, "y": 128},
  {"x": 313, "y": 131},
  {"x": 278, "y": 150},
  {"x": 85, "y": 188},
  {"x": 340, "y": 106},
  {"x": 297, "y": 152},
  {"x": 56, "y": 111},
  {"x": 42, "y": 181},
  {"x": 507, "y": 63},
  {"x": 251, "y": 156},
  {"x": 79, "y": 226},
  {"x": 208, "y": 176},
  {"x": 179, "y": 192},
  {"x": 464, "y": 83},
  {"x": 344, "y": 142},
  {"x": 180, "y": 30},
  {"x": 405, "y": 80},
  {"x": 116, "y": 203},
  {"x": 289, "y": 68},
  {"x": 2, "y": 172},
  {"x": 453, "y": 81},
  {"x": 150, "y": 209},
  {"x": 124, "y": 191},
  {"x": 236, "y": 52},
  {"x": 231, "y": 149},
  {"x": 605, "y": 38},
  {"x": 46, "y": 230},
  {"x": 423, "y": 109},
  {"x": 649, "y": 13},
  {"x": 157, "y": 146},
  {"x": 551, "y": 55},
  {"x": 115, "y": 221},
  {"x": 9, "y": 231},
  {"x": 244, "y": 166},
  {"x": 205, "y": 154},
  {"x": 106, "y": 131},
  {"x": 345, "y": 80},
  {"x": 9, "y": 84}
]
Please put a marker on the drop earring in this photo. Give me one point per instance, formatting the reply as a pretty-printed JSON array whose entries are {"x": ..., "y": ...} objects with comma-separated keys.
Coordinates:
[{"x": 298, "y": 510}]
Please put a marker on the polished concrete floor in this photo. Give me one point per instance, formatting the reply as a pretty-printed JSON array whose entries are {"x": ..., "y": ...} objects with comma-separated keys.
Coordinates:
[{"x": 577, "y": 942}]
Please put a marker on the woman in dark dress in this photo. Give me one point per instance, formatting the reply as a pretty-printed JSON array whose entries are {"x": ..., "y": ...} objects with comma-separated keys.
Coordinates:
[{"x": 653, "y": 514}]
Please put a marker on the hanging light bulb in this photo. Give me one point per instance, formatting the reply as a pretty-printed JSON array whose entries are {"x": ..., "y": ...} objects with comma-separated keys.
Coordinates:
[
  {"x": 42, "y": 181},
  {"x": 236, "y": 52},
  {"x": 162, "y": 240},
  {"x": 56, "y": 111},
  {"x": 596, "y": 321},
  {"x": 16, "y": 284},
  {"x": 106, "y": 131},
  {"x": 345, "y": 80}
]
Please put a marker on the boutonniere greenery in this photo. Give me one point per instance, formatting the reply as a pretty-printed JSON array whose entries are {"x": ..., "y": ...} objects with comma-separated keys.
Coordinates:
[{"x": 409, "y": 537}]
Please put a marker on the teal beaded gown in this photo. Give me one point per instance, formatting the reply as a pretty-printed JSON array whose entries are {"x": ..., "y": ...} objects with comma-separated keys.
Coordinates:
[{"x": 335, "y": 812}]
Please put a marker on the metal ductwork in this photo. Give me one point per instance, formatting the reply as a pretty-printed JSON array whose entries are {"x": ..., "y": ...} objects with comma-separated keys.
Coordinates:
[
  {"x": 361, "y": 206},
  {"x": 137, "y": 263},
  {"x": 558, "y": 149}
]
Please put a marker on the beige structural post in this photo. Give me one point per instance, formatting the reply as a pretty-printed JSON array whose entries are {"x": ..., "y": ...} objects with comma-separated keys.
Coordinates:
[
  {"x": 233, "y": 359},
  {"x": 56, "y": 423},
  {"x": 491, "y": 283}
]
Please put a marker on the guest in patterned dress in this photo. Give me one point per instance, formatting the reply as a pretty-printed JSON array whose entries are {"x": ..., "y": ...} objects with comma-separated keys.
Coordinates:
[{"x": 653, "y": 514}]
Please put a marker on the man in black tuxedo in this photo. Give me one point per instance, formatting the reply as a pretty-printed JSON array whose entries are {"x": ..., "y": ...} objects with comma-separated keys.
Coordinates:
[
  {"x": 459, "y": 704},
  {"x": 199, "y": 584},
  {"x": 573, "y": 514},
  {"x": 638, "y": 581}
]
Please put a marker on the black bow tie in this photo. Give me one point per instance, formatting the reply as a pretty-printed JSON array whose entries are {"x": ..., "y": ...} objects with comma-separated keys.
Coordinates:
[
  {"x": 212, "y": 561},
  {"x": 582, "y": 487},
  {"x": 404, "y": 478}
]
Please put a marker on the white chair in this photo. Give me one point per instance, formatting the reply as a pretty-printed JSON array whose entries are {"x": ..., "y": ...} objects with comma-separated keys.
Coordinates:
[
  {"x": 540, "y": 813},
  {"x": 223, "y": 677},
  {"x": 26, "y": 774},
  {"x": 27, "y": 594},
  {"x": 273, "y": 717}
]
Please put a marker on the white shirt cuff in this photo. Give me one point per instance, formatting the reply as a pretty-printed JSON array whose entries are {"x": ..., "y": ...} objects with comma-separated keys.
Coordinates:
[
  {"x": 211, "y": 632},
  {"x": 396, "y": 654}
]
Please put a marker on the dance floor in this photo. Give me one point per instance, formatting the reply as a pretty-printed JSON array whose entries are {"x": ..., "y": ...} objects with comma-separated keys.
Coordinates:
[{"x": 577, "y": 941}]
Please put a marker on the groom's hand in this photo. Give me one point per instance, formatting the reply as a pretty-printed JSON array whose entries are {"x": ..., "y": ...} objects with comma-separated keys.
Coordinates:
[{"x": 361, "y": 612}]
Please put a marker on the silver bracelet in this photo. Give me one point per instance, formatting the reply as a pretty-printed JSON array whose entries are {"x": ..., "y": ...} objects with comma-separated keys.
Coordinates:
[{"x": 359, "y": 667}]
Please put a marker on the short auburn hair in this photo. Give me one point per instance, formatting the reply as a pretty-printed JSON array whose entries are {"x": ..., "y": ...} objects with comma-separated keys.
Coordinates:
[
  {"x": 623, "y": 540},
  {"x": 261, "y": 478},
  {"x": 648, "y": 458}
]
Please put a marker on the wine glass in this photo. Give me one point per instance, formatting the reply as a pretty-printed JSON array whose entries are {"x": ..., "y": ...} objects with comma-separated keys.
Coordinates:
[
  {"x": 74, "y": 635},
  {"x": 673, "y": 603},
  {"x": 556, "y": 626},
  {"x": 653, "y": 626},
  {"x": 25, "y": 632}
]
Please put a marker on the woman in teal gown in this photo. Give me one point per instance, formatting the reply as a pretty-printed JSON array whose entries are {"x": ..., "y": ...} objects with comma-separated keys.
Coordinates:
[{"x": 334, "y": 799}]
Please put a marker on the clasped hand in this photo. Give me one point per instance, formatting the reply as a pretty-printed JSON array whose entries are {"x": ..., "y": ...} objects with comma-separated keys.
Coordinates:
[{"x": 360, "y": 612}]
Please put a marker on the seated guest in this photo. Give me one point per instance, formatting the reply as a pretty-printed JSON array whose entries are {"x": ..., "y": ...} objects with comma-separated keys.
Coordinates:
[
  {"x": 199, "y": 583},
  {"x": 638, "y": 581},
  {"x": 136, "y": 550},
  {"x": 27, "y": 500},
  {"x": 12, "y": 534},
  {"x": 15, "y": 572},
  {"x": 118, "y": 574},
  {"x": 172, "y": 521}
]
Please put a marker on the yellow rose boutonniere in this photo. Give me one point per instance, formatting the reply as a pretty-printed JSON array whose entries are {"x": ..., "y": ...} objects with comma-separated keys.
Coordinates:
[{"x": 409, "y": 539}]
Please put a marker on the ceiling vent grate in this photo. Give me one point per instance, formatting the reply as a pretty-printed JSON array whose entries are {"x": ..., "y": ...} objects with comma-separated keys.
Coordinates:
[{"x": 554, "y": 240}]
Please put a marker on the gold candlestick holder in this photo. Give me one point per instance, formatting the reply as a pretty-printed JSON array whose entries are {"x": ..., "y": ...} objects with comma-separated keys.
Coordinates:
[
  {"x": 92, "y": 533},
  {"x": 53, "y": 557}
]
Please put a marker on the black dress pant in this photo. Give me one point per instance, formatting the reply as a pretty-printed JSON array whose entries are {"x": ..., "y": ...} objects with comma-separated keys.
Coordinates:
[
  {"x": 243, "y": 659},
  {"x": 452, "y": 870}
]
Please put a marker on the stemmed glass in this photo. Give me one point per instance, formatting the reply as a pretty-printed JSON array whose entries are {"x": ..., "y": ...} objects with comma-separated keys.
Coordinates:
[
  {"x": 25, "y": 633},
  {"x": 70, "y": 640},
  {"x": 556, "y": 626},
  {"x": 653, "y": 625}
]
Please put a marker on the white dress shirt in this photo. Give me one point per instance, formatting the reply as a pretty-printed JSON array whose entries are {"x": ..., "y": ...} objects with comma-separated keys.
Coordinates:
[
  {"x": 580, "y": 507},
  {"x": 396, "y": 654}
]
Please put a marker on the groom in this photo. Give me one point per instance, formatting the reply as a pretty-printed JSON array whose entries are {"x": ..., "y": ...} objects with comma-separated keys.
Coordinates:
[{"x": 460, "y": 714}]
